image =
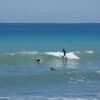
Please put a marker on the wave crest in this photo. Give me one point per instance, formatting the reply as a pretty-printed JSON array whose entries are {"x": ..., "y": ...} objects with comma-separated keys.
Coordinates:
[
  {"x": 69, "y": 55},
  {"x": 89, "y": 51}
]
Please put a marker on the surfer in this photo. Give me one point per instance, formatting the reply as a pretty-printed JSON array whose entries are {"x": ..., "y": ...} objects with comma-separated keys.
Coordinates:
[
  {"x": 52, "y": 69},
  {"x": 64, "y": 51},
  {"x": 38, "y": 60}
]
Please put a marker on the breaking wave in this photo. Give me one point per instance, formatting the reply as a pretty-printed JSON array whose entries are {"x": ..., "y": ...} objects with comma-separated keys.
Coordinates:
[
  {"x": 30, "y": 57},
  {"x": 44, "y": 98},
  {"x": 69, "y": 55}
]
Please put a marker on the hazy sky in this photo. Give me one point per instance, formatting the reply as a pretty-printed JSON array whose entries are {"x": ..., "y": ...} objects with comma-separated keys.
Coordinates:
[{"x": 54, "y": 11}]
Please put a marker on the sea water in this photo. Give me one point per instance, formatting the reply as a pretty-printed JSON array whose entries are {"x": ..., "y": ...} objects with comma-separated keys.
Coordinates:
[{"x": 75, "y": 77}]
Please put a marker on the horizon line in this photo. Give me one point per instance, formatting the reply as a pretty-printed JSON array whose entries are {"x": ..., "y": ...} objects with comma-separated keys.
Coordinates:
[{"x": 50, "y": 23}]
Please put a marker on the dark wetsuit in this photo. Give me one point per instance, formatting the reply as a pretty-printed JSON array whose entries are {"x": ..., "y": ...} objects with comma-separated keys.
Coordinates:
[
  {"x": 64, "y": 52},
  {"x": 52, "y": 69},
  {"x": 38, "y": 60}
]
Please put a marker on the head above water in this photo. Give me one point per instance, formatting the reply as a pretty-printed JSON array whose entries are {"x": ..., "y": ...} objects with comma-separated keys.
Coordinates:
[{"x": 52, "y": 69}]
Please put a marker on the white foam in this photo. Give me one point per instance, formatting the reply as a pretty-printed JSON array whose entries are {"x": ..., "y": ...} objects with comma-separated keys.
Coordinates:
[
  {"x": 4, "y": 98},
  {"x": 89, "y": 51},
  {"x": 56, "y": 54},
  {"x": 43, "y": 98},
  {"x": 69, "y": 55},
  {"x": 28, "y": 52},
  {"x": 64, "y": 98},
  {"x": 98, "y": 71}
]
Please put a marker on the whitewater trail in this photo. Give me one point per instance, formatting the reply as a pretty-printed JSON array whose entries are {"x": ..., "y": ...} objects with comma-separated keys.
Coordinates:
[{"x": 69, "y": 55}]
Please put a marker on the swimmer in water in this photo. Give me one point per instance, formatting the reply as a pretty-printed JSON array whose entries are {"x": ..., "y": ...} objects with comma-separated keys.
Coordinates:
[
  {"x": 52, "y": 69},
  {"x": 38, "y": 60}
]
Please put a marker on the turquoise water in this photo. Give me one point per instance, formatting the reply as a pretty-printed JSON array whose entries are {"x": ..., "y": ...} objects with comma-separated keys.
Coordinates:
[{"x": 76, "y": 77}]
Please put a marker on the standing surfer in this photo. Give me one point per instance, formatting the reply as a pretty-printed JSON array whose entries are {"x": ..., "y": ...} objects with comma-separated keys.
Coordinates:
[{"x": 64, "y": 51}]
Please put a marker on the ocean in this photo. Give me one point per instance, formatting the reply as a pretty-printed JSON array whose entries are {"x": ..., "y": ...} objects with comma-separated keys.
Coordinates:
[{"x": 74, "y": 77}]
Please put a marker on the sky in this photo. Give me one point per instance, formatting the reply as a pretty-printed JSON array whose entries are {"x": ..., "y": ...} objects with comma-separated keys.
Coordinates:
[{"x": 49, "y": 11}]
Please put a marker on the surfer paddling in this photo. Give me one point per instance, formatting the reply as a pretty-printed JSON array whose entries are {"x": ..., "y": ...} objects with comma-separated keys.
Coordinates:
[{"x": 38, "y": 60}]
